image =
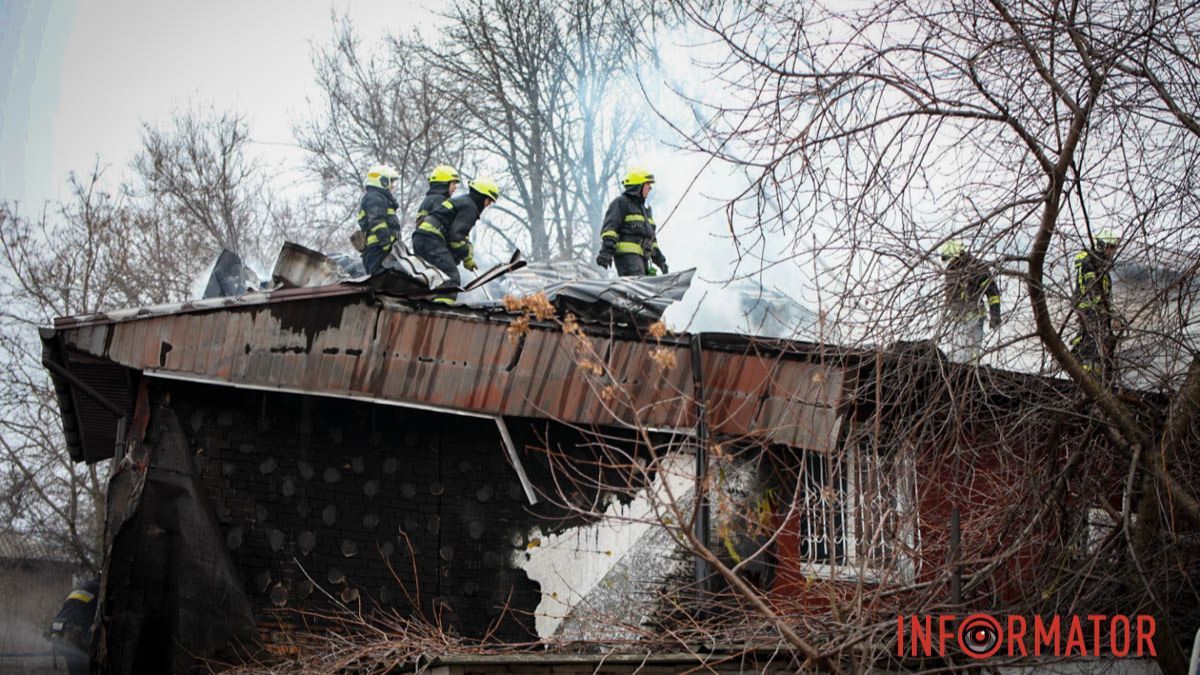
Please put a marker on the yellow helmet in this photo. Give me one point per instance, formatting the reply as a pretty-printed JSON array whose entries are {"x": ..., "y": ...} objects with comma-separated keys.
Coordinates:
[
  {"x": 443, "y": 174},
  {"x": 486, "y": 187},
  {"x": 952, "y": 249},
  {"x": 1107, "y": 238},
  {"x": 381, "y": 176},
  {"x": 637, "y": 177}
]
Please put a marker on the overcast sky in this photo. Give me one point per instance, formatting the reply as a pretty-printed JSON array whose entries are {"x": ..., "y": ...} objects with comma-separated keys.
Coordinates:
[{"x": 80, "y": 76}]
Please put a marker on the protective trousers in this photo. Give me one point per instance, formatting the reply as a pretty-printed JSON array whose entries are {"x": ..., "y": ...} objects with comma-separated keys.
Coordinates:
[
  {"x": 434, "y": 251},
  {"x": 630, "y": 265},
  {"x": 372, "y": 258},
  {"x": 1095, "y": 344},
  {"x": 964, "y": 337}
]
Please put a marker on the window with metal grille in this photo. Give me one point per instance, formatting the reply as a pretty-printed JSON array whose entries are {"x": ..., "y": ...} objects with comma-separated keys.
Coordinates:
[
  {"x": 855, "y": 511},
  {"x": 822, "y": 507}
]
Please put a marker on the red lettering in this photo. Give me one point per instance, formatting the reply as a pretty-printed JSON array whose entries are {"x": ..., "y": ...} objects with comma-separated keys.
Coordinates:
[
  {"x": 1146, "y": 626},
  {"x": 1114, "y": 631},
  {"x": 1043, "y": 634},
  {"x": 1016, "y": 636},
  {"x": 922, "y": 637},
  {"x": 1075, "y": 638},
  {"x": 1096, "y": 620},
  {"x": 944, "y": 631}
]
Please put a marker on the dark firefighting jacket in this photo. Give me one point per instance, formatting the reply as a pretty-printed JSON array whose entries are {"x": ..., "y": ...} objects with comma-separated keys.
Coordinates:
[
  {"x": 968, "y": 283},
  {"x": 1093, "y": 286},
  {"x": 377, "y": 218},
  {"x": 438, "y": 193},
  {"x": 629, "y": 227},
  {"x": 73, "y": 623},
  {"x": 452, "y": 220}
]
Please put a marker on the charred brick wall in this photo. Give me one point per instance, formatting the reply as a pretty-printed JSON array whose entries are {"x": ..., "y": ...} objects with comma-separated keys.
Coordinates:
[{"x": 317, "y": 493}]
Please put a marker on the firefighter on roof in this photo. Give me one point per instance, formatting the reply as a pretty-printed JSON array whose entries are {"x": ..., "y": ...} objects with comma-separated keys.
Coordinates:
[
  {"x": 441, "y": 238},
  {"x": 628, "y": 234},
  {"x": 1092, "y": 291},
  {"x": 377, "y": 215},
  {"x": 969, "y": 284},
  {"x": 443, "y": 181}
]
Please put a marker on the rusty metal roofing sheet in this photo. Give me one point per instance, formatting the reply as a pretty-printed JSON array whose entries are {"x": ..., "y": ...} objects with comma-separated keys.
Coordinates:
[
  {"x": 208, "y": 304},
  {"x": 337, "y": 341}
]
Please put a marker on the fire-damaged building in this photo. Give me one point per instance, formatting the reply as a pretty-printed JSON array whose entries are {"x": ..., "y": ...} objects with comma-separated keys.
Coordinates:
[{"x": 280, "y": 453}]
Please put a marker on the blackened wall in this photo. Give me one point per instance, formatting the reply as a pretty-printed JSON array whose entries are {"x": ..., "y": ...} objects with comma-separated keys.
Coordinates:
[{"x": 335, "y": 490}]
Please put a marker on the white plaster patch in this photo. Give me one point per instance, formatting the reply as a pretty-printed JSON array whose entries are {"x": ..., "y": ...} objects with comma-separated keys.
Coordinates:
[{"x": 571, "y": 565}]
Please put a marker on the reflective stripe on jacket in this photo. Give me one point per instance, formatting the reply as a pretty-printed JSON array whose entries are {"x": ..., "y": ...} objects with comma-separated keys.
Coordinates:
[
  {"x": 1093, "y": 286},
  {"x": 377, "y": 217},
  {"x": 968, "y": 283},
  {"x": 629, "y": 227},
  {"x": 452, "y": 220},
  {"x": 438, "y": 193}
]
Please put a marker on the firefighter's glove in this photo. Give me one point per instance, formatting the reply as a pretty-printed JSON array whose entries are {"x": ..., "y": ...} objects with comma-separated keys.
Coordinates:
[
  {"x": 994, "y": 322},
  {"x": 662, "y": 265},
  {"x": 469, "y": 263},
  {"x": 604, "y": 259}
]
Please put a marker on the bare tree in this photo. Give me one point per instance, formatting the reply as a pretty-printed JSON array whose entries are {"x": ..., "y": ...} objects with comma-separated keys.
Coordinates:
[
  {"x": 378, "y": 107},
  {"x": 197, "y": 190},
  {"x": 64, "y": 263},
  {"x": 872, "y": 136},
  {"x": 546, "y": 86},
  {"x": 199, "y": 176},
  {"x": 540, "y": 94}
]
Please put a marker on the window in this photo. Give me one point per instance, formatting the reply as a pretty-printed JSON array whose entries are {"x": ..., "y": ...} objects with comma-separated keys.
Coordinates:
[{"x": 854, "y": 513}]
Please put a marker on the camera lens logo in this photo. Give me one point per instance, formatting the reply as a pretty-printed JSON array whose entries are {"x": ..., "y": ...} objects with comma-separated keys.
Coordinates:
[{"x": 979, "y": 636}]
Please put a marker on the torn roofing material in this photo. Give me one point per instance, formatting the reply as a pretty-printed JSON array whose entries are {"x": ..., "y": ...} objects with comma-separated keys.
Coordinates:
[
  {"x": 597, "y": 298},
  {"x": 300, "y": 267},
  {"x": 572, "y": 286},
  {"x": 338, "y": 341},
  {"x": 409, "y": 276},
  {"x": 402, "y": 273},
  {"x": 229, "y": 276}
]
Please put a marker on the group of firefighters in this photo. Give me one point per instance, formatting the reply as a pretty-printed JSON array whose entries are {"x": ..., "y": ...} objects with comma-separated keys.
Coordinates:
[
  {"x": 441, "y": 236},
  {"x": 971, "y": 287},
  {"x": 443, "y": 224}
]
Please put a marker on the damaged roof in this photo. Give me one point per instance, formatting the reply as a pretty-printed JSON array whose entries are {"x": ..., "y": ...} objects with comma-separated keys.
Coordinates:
[{"x": 343, "y": 340}]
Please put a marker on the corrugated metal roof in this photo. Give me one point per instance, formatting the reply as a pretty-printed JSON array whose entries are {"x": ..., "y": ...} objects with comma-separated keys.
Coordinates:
[
  {"x": 208, "y": 304},
  {"x": 337, "y": 341}
]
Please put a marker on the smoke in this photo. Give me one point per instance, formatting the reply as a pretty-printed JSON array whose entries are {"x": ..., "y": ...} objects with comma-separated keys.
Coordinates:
[
  {"x": 742, "y": 285},
  {"x": 32, "y": 597}
]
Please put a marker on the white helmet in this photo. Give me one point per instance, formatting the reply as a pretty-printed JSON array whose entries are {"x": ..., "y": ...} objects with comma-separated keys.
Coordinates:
[{"x": 381, "y": 176}]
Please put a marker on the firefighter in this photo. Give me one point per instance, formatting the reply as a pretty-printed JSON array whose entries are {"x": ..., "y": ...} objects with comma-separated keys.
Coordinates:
[
  {"x": 443, "y": 181},
  {"x": 628, "y": 235},
  {"x": 441, "y": 237},
  {"x": 377, "y": 215},
  {"x": 1092, "y": 291},
  {"x": 969, "y": 284},
  {"x": 71, "y": 632}
]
